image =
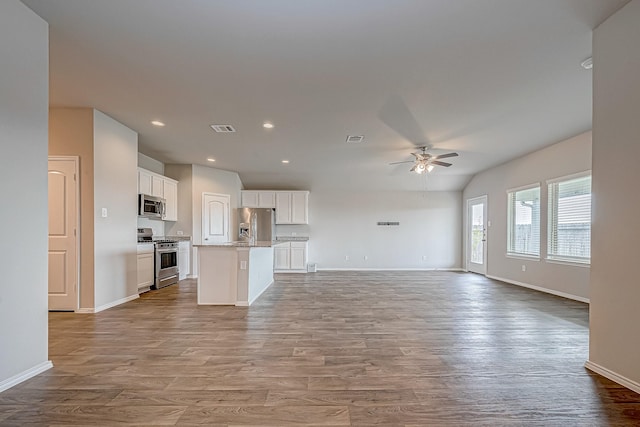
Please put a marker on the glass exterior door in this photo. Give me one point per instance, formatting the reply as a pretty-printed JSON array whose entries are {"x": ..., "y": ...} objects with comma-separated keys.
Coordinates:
[{"x": 477, "y": 235}]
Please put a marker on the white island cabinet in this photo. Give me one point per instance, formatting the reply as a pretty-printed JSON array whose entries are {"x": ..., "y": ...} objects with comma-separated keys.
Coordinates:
[{"x": 233, "y": 273}]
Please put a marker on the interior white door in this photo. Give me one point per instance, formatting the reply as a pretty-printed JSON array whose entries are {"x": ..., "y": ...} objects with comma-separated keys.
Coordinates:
[
  {"x": 477, "y": 235},
  {"x": 215, "y": 218},
  {"x": 63, "y": 226}
]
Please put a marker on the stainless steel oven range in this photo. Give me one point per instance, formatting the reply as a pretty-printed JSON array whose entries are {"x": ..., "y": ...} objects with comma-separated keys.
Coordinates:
[
  {"x": 166, "y": 263},
  {"x": 165, "y": 260}
]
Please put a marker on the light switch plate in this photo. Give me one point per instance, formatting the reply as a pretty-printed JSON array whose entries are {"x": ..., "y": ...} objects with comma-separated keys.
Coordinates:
[{"x": 104, "y": 213}]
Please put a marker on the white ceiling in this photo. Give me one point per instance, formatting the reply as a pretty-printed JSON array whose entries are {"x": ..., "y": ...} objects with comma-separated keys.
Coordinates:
[{"x": 490, "y": 79}]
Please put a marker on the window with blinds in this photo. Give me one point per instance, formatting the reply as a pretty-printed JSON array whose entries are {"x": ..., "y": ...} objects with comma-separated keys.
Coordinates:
[
  {"x": 523, "y": 236},
  {"x": 569, "y": 230}
]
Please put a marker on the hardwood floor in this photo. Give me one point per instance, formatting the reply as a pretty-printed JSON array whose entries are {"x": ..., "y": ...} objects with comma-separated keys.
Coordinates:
[{"x": 327, "y": 349}]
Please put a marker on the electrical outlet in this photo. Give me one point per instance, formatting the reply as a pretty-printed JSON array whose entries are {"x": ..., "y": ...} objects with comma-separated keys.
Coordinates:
[
  {"x": 365, "y": 257},
  {"x": 179, "y": 233},
  {"x": 524, "y": 267},
  {"x": 424, "y": 257},
  {"x": 346, "y": 257},
  {"x": 105, "y": 213},
  {"x": 243, "y": 265}
]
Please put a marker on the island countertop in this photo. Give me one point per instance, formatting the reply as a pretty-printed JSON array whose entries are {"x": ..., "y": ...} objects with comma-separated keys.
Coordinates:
[{"x": 258, "y": 244}]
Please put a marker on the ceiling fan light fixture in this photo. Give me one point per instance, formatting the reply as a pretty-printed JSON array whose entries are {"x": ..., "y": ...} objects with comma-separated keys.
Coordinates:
[
  {"x": 430, "y": 168},
  {"x": 420, "y": 168}
]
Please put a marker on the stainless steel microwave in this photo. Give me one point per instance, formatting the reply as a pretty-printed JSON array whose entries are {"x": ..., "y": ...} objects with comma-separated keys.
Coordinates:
[{"x": 151, "y": 207}]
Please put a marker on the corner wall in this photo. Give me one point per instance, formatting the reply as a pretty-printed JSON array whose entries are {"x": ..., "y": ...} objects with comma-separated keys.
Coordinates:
[
  {"x": 71, "y": 134},
  {"x": 24, "y": 104},
  {"x": 564, "y": 158},
  {"x": 115, "y": 189},
  {"x": 614, "y": 348}
]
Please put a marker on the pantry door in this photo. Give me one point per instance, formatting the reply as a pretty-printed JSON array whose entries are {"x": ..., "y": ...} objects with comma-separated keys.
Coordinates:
[
  {"x": 477, "y": 235},
  {"x": 63, "y": 233},
  {"x": 215, "y": 218}
]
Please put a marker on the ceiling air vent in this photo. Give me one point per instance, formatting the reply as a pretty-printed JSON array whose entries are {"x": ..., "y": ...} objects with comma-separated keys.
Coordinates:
[
  {"x": 223, "y": 128},
  {"x": 354, "y": 139}
]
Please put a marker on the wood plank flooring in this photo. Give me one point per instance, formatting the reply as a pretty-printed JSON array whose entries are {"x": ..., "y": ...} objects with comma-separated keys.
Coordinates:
[{"x": 327, "y": 349}]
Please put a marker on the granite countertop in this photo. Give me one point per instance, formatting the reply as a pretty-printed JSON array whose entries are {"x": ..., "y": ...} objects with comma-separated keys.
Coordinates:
[
  {"x": 179, "y": 238},
  {"x": 292, "y": 238},
  {"x": 259, "y": 244}
]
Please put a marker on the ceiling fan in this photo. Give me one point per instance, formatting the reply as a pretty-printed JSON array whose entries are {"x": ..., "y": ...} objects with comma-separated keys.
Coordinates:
[{"x": 425, "y": 162}]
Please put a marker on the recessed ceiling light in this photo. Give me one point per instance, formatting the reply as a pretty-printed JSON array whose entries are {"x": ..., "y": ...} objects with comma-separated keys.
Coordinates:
[
  {"x": 157, "y": 123},
  {"x": 267, "y": 125},
  {"x": 285, "y": 161},
  {"x": 587, "y": 64},
  {"x": 211, "y": 159}
]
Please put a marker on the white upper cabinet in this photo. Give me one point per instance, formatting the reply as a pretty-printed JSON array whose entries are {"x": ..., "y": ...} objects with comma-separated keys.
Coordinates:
[
  {"x": 170, "y": 195},
  {"x": 157, "y": 186},
  {"x": 152, "y": 184},
  {"x": 144, "y": 182},
  {"x": 299, "y": 207},
  {"x": 258, "y": 199},
  {"x": 292, "y": 207},
  {"x": 283, "y": 207}
]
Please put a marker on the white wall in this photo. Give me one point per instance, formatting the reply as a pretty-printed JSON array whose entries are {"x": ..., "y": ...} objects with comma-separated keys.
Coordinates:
[
  {"x": 561, "y": 159},
  {"x": 115, "y": 188},
  {"x": 615, "y": 296},
  {"x": 24, "y": 49},
  {"x": 345, "y": 224},
  {"x": 184, "y": 175},
  {"x": 153, "y": 165}
]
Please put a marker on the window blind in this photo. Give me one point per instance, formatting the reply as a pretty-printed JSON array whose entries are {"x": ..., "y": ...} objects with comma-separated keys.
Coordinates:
[
  {"x": 523, "y": 235},
  {"x": 569, "y": 231}
]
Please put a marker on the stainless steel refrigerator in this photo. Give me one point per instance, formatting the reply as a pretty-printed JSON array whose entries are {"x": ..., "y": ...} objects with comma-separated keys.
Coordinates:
[{"x": 256, "y": 225}]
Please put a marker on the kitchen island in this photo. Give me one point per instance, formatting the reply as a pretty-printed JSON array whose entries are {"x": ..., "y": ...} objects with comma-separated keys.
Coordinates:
[{"x": 234, "y": 273}]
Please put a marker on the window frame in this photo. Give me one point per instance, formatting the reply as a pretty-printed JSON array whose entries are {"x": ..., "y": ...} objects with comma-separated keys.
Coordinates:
[
  {"x": 551, "y": 221},
  {"x": 511, "y": 222}
]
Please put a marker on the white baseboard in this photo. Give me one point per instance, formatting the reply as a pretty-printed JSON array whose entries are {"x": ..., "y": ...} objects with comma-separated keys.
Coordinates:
[
  {"x": 389, "y": 269},
  {"x": 541, "y": 289},
  {"x": 290, "y": 271},
  {"x": 261, "y": 292},
  {"x": 23, "y": 376},
  {"x": 623, "y": 381},
  {"x": 109, "y": 305},
  {"x": 192, "y": 276}
]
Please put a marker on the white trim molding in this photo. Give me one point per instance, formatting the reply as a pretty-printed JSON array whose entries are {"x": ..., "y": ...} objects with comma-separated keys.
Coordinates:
[
  {"x": 617, "y": 378},
  {"x": 107, "y": 306},
  {"x": 23, "y": 376},
  {"x": 541, "y": 289}
]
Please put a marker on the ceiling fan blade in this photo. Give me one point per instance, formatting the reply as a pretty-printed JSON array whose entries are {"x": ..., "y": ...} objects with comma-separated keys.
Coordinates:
[
  {"x": 444, "y": 156},
  {"x": 413, "y": 168},
  {"x": 405, "y": 161},
  {"x": 445, "y": 164}
]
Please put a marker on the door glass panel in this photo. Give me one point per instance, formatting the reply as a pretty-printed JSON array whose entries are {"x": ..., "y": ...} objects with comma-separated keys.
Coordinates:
[{"x": 477, "y": 234}]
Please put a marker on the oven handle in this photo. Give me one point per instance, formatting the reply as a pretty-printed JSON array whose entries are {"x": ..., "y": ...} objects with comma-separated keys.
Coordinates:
[{"x": 167, "y": 250}]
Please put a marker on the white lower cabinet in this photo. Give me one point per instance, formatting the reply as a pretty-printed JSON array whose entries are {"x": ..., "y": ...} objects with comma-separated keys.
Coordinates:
[
  {"x": 146, "y": 271},
  {"x": 290, "y": 257},
  {"x": 184, "y": 261}
]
